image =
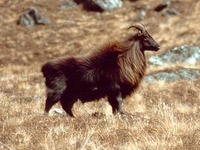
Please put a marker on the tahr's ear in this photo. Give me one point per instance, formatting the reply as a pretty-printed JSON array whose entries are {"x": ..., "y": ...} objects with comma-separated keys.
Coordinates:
[
  {"x": 138, "y": 27},
  {"x": 139, "y": 33}
]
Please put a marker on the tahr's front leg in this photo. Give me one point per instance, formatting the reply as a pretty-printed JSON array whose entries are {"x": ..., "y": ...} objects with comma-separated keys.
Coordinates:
[
  {"x": 119, "y": 100},
  {"x": 115, "y": 100}
]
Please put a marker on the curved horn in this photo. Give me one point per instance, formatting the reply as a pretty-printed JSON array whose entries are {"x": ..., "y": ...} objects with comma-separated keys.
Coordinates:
[{"x": 138, "y": 26}]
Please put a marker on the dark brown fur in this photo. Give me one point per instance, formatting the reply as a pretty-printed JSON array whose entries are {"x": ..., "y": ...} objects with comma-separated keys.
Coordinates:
[{"x": 114, "y": 70}]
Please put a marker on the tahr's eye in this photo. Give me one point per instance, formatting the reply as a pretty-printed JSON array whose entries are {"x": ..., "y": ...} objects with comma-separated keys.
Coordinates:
[{"x": 145, "y": 38}]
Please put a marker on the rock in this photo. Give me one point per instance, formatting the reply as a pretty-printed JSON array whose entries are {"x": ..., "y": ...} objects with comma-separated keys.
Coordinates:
[
  {"x": 171, "y": 76},
  {"x": 162, "y": 6},
  {"x": 181, "y": 54},
  {"x": 142, "y": 14},
  {"x": 142, "y": 11},
  {"x": 143, "y": 7},
  {"x": 170, "y": 12},
  {"x": 56, "y": 110},
  {"x": 32, "y": 17},
  {"x": 101, "y": 5},
  {"x": 68, "y": 4}
]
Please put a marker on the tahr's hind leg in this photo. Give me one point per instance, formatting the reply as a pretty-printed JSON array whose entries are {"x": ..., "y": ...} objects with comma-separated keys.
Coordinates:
[
  {"x": 55, "y": 88},
  {"x": 52, "y": 98},
  {"x": 55, "y": 82},
  {"x": 67, "y": 103}
]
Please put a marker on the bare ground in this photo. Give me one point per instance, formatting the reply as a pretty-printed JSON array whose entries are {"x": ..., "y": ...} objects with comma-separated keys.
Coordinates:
[{"x": 158, "y": 116}]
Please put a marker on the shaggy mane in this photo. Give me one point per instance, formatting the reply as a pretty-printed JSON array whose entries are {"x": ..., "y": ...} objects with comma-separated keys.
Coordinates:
[{"x": 126, "y": 54}]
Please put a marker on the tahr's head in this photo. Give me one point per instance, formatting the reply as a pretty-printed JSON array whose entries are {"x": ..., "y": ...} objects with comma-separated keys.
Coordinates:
[{"x": 146, "y": 41}]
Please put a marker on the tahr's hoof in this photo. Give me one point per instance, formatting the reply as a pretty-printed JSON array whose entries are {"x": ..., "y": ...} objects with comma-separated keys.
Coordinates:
[{"x": 56, "y": 111}]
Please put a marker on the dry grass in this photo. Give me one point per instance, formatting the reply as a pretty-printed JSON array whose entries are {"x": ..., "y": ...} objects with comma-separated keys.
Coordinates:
[
  {"x": 159, "y": 116},
  {"x": 165, "y": 116}
]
